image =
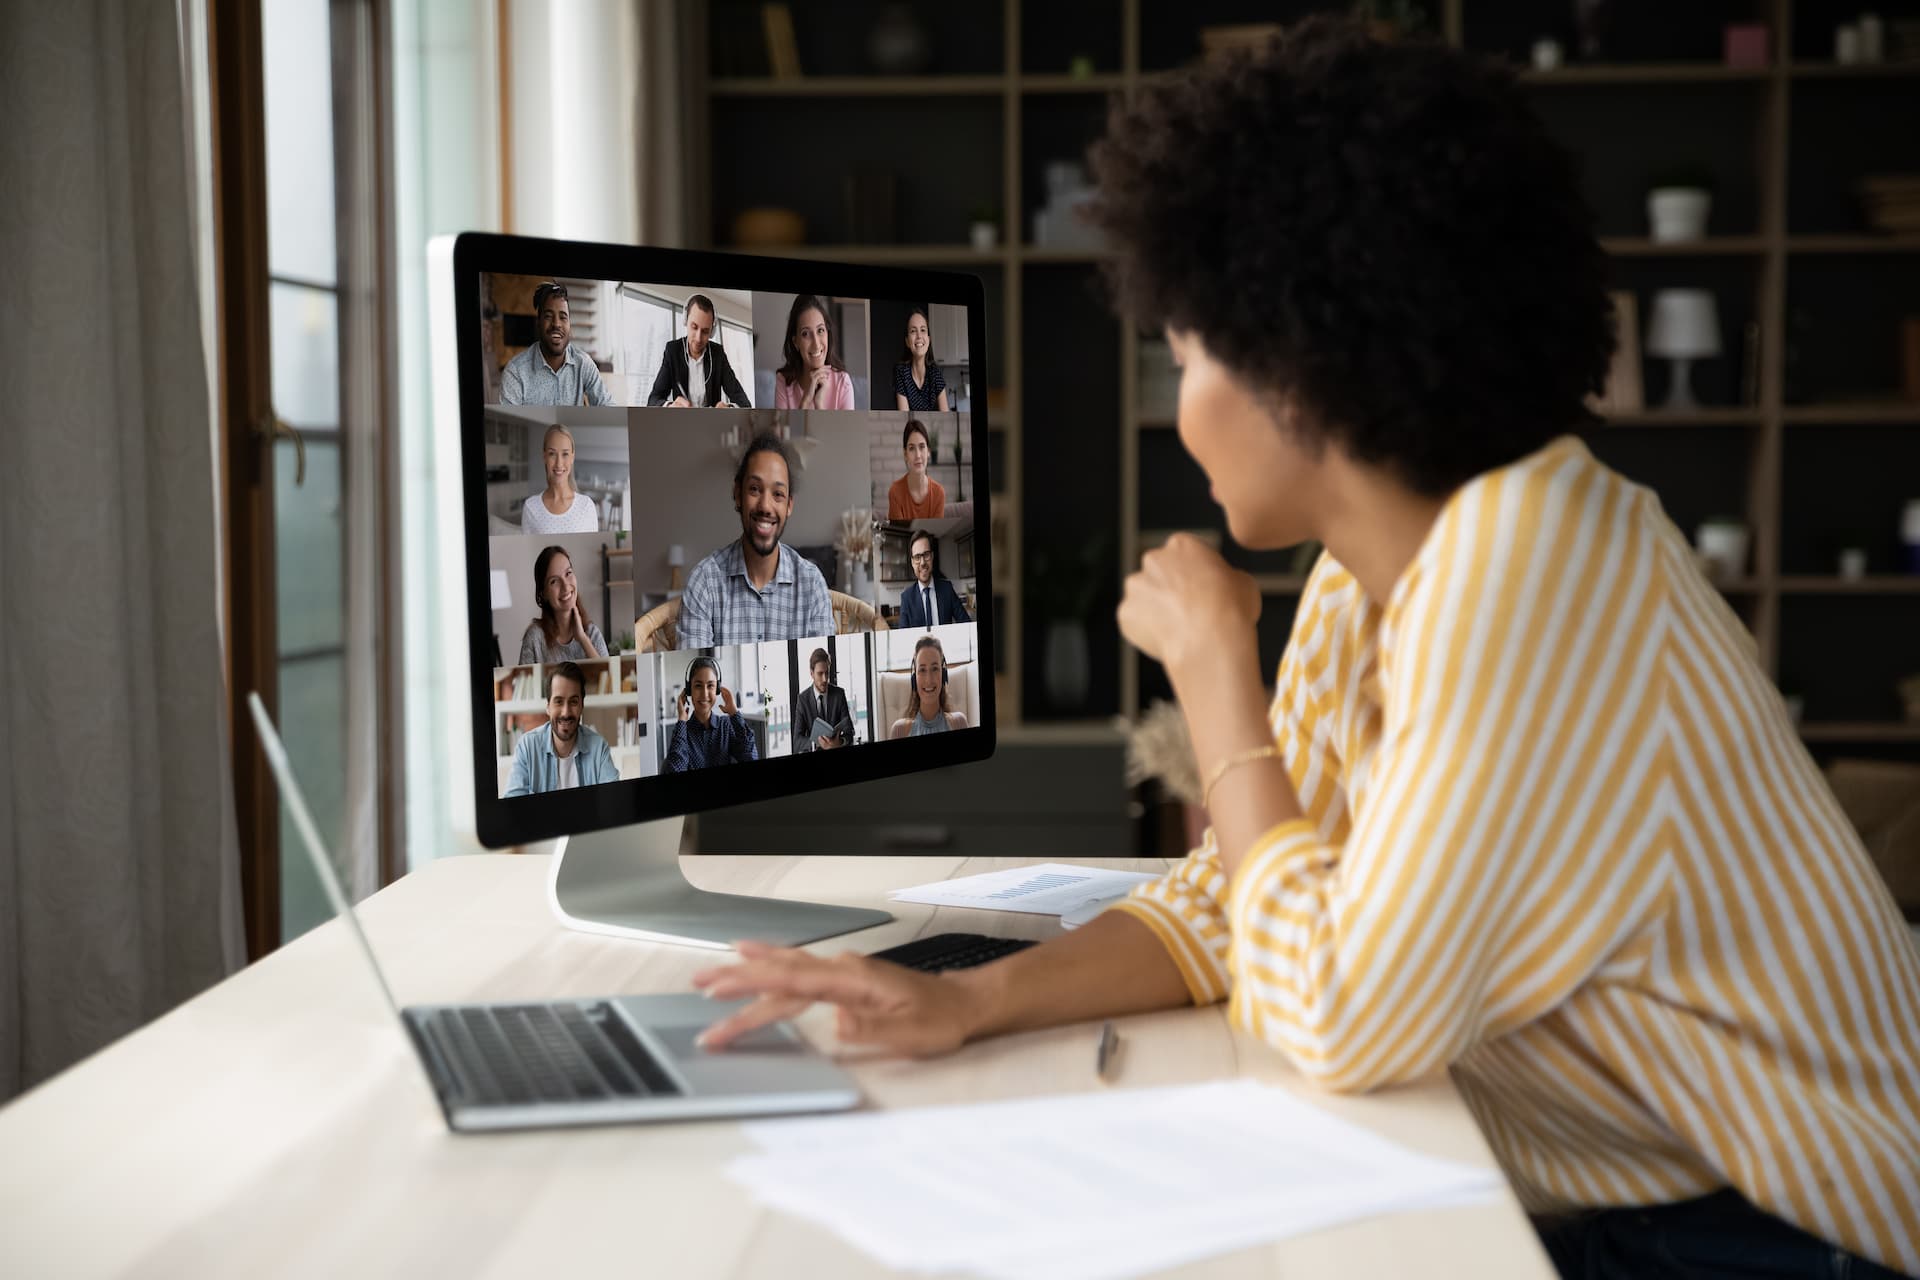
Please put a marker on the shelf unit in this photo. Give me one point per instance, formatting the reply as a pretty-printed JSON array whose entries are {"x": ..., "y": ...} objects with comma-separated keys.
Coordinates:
[{"x": 1761, "y": 250}]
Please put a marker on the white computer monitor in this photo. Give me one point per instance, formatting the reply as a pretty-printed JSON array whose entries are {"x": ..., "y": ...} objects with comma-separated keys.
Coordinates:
[{"x": 704, "y": 495}]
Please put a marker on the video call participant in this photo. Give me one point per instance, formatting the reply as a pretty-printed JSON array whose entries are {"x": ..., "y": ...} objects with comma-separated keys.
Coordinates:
[
  {"x": 559, "y": 508},
  {"x": 930, "y": 711},
  {"x": 916, "y": 495},
  {"x": 694, "y": 370},
  {"x": 822, "y": 700},
  {"x": 757, "y": 587},
  {"x": 563, "y": 629},
  {"x": 552, "y": 370},
  {"x": 812, "y": 374},
  {"x": 703, "y": 739},
  {"x": 932, "y": 600},
  {"x": 918, "y": 384},
  {"x": 565, "y": 754}
]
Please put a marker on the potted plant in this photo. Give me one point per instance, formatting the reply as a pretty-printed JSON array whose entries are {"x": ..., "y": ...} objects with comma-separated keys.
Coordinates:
[
  {"x": 984, "y": 233},
  {"x": 1678, "y": 203},
  {"x": 1159, "y": 749}
]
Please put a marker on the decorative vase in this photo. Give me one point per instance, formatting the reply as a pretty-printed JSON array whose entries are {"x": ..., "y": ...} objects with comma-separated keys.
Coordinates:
[
  {"x": 984, "y": 235},
  {"x": 857, "y": 581},
  {"x": 1722, "y": 545},
  {"x": 1678, "y": 213},
  {"x": 1066, "y": 664}
]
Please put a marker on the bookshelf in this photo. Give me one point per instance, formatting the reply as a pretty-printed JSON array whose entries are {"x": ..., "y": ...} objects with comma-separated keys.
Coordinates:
[{"x": 1806, "y": 459}]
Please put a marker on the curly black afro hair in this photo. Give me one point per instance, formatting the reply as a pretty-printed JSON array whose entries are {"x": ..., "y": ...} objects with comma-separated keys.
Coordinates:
[{"x": 1382, "y": 233}]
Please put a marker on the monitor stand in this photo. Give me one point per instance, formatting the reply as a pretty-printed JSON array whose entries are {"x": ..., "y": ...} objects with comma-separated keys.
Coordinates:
[{"x": 627, "y": 882}]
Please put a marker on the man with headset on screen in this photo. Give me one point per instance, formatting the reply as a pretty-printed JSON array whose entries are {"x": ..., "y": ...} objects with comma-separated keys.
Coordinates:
[
  {"x": 756, "y": 587},
  {"x": 566, "y": 753},
  {"x": 931, "y": 600},
  {"x": 703, "y": 739},
  {"x": 694, "y": 370}
]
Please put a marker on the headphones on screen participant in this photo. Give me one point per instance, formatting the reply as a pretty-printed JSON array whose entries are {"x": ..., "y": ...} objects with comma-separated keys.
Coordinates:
[
  {"x": 704, "y": 660},
  {"x": 933, "y": 643}
]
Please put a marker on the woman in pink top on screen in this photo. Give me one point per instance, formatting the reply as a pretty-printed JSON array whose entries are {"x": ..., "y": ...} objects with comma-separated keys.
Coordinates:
[{"x": 811, "y": 375}]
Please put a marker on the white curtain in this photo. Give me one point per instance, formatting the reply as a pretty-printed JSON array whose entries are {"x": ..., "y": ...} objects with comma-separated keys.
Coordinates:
[{"x": 119, "y": 859}]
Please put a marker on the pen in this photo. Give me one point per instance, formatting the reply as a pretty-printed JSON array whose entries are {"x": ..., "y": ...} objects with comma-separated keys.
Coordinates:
[{"x": 1109, "y": 1047}]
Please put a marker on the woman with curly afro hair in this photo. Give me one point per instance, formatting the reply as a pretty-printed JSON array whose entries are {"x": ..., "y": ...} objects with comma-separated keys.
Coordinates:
[{"x": 1524, "y": 805}]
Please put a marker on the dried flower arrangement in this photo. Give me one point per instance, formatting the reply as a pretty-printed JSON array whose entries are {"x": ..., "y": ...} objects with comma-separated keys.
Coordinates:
[
  {"x": 855, "y": 540},
  {"x": 1159, "y": 747}
]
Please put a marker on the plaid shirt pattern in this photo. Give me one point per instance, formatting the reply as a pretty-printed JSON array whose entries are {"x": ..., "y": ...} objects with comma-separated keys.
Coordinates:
[{"x": 722, "y": 607}]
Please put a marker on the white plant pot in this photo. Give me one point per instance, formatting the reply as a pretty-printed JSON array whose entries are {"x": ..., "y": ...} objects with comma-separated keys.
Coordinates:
[
  {"x": 984, "y": 235},
  {"x": 1678, "y": 213}
]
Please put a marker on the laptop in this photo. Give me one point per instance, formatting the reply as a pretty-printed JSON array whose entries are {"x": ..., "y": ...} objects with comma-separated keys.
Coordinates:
[{"x": 603, "y": 1060}]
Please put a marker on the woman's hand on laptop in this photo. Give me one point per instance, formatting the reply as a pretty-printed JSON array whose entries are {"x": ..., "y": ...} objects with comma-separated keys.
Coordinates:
[{"x": 881, "y": 1004}]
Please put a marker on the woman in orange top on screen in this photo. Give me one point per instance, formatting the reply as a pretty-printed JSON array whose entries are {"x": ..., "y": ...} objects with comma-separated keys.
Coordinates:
[
  {"x": 916, "y": 495},
  {"x": 1525, "y": 807}
]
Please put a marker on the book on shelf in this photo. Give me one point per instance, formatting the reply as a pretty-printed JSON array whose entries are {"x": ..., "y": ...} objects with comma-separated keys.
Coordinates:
[{"x": 783, "y": 51}]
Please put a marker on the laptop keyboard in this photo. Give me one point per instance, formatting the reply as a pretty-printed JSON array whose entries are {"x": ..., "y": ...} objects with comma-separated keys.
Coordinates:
[
  {"x": 951, "y": 951},
  {"x": 533, "y": 1053}
]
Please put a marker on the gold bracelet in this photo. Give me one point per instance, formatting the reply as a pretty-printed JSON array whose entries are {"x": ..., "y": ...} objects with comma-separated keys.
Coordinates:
[{"x": 1231, "y": 763}]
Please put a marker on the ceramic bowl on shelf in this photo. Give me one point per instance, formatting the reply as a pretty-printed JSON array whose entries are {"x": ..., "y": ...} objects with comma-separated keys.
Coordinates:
[{"x": 767, "y": 228}]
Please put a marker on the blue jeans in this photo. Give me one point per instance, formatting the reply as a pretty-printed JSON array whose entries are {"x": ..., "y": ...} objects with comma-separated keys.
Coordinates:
[{"x": 1720, "y": 1235}]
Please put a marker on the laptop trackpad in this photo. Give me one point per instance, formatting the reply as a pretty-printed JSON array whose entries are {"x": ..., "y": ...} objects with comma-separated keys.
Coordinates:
[{"x": 679, "y": 1041}]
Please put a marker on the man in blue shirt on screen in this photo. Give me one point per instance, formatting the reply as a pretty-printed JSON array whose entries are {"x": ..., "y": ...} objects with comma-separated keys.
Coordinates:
[
  {"x": 756, "y": 588},
  {"x": 565, "y": 754},
  {"x": 553, "y": 370}
]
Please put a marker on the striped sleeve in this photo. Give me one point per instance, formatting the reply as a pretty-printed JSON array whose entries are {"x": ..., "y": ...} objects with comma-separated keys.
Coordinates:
[
  {"x": 1186, "y": 909},
  {"x": 1506, "y": 847}
]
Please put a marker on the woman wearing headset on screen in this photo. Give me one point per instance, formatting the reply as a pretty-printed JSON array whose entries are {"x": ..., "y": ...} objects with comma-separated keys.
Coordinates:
[
  {"x": 563, "y": 629},
  {"x": 811, "y": 373},
  {"x": 559, "y": 508},
  {"x": 918, "y": 384},
  {"x": 931, "y": 713},
  {"x": 711, "y": 730}
]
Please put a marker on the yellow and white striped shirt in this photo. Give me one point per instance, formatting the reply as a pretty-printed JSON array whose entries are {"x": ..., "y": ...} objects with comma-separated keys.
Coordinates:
[{"x": 1562, "y": 838}]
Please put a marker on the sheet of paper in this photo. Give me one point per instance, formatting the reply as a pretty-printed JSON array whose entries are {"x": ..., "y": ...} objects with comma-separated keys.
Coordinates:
[
  {"x": 1059, "y": 1187},
  {"x": 1051, "y": 889}
]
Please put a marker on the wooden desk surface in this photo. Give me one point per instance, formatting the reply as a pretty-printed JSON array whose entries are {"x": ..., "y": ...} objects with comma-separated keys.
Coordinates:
[{"x": 279, "y": 1123}]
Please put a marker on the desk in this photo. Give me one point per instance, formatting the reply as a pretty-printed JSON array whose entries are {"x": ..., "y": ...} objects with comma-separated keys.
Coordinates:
[{"x": 279, "y": 1124}]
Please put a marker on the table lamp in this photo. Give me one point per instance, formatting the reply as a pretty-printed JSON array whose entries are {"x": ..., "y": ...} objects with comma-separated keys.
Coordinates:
[
  {"x": 1685, "y": 328},
  {"x": 502, "y": 599},
  {"x": 676, "y": 561}
]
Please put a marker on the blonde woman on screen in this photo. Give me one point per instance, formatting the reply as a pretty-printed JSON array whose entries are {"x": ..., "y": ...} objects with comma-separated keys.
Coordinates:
[{"x": 559, "y": 508}]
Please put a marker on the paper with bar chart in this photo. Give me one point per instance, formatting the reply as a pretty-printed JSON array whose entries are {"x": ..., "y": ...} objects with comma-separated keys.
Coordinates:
[{"x": 1050, "y": 889}]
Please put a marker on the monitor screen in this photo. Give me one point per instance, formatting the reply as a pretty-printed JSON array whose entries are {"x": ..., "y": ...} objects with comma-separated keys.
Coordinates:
[{"x": 727, "y": 528}]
